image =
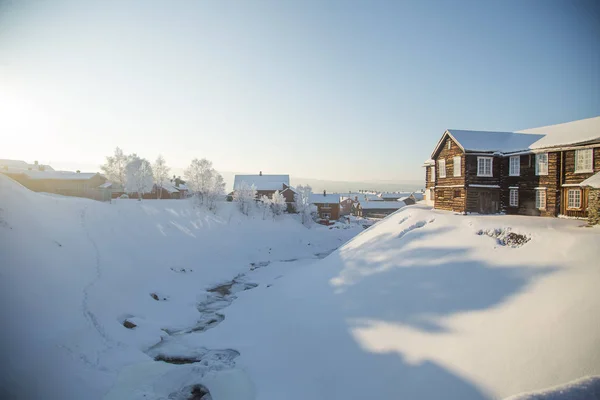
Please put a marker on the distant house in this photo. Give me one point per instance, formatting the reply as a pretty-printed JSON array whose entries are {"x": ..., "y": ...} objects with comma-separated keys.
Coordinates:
[
  {"x": 61, "y": 182},
  {"x": 376, "y": 209},
  {"x": 266, "y": 185},
  {"x": 541, "y": 171},
  {"x": 19, "y": 165},
  {"x": 328, "y": 205}
]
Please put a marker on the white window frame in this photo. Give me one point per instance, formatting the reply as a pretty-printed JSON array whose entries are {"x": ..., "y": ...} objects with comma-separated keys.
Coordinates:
[
  {"x": 514, "y": 168},
  {"x": 538, "y": 163},
  {"x": 587, "y": 168},
  {"x": 539, "y": 198},
  {"x": 442, "y": 168},
  {"x": 449, "y": 144},
  {"x": 457, "y": 163},
  {"x": 483, "y": 159},
  {"x": 513, "y": 197},
  {"x": 575, "y": 205}
]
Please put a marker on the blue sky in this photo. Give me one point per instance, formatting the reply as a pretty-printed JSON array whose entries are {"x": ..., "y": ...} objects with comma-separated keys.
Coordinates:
[{"x": 342, "y": 90}]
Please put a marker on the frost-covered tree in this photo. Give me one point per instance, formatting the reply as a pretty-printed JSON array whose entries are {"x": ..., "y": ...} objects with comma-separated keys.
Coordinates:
[
  {"x": 302, "y": 203},
  {"x": 278, "y": 204},
  {"x": 245, "y": 196},
  {"x": 161, "y": 173},
  {"x": 138, "y": 175},
  {"x": 216, "y": 190},
  {"x": 200, "y": 175},
  {"x": 265, "y": 206},
  {"x": 114, "y": 168}
]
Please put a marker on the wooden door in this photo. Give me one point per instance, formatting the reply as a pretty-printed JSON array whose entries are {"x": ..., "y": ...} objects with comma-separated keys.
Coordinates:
[{"x": 485, "y": 202}]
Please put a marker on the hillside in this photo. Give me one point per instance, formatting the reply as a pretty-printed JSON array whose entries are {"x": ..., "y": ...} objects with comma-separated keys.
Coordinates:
[{"x": 425, "y": 304}]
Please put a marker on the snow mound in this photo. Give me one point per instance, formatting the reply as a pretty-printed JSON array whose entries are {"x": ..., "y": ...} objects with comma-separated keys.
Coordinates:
[{"x": 582, "y": 389}]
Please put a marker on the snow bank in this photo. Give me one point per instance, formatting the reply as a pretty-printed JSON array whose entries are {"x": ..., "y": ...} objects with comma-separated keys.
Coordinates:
[
  {"x": 73, "y": 270},
  {"x": 422, "y": 306}
]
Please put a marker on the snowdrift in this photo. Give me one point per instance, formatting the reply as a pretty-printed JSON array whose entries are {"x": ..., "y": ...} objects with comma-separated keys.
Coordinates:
[
  {"x": 73, "y": 270},
  {"x": 428, "y": 305}
]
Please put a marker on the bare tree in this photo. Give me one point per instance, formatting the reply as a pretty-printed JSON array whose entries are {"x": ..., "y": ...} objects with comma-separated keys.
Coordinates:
[
  {"x": 161, "y": 173},
  {"x": 139, "y": 175},
  {"x": 114, "y": 168},
  {"x": 199, "y": 176}
]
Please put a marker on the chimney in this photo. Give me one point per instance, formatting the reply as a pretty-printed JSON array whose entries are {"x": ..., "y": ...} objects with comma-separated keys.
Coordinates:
[
  {"x": 324, "y": 192},
  {"x": 260, "y": 173}
]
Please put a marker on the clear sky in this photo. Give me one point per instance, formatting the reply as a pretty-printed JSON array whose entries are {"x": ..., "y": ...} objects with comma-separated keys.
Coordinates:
[{"x": 343, "y": 90}]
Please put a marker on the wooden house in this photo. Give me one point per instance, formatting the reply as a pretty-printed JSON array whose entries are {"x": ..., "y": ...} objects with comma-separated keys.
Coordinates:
[
  {"x": 376, "y": 209},
  {"x": 328, "y": 205},
  {"x": 267, "y": 185},
  {"x": 534, "y": 172}
]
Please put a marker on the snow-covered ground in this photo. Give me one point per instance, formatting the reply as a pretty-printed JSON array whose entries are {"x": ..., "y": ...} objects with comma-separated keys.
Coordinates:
[{"x": 425, "y": 304}]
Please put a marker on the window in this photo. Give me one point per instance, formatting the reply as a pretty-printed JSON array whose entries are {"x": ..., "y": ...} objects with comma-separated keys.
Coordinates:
[
  {"x": 442, "y": 168},
  {"x": 484, "y": 166},
  {"x": 541, "y": 164},
  {"x": 574, "y": 198},
  {"x": 514, "y": 166},
  {"x": 540, "y": 199},
  {"x": 584, "y": 160},
  {"x": 457, "y": 166},
  {"x": 514, "y": 198},
  {"x": 456, "y": 194},
  {"x": 325, "y": 215},
  {"x": 449, "y": 144}
]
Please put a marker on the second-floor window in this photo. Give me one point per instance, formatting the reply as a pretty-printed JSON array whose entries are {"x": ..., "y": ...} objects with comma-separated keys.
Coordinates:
[
  {"x": 541, "y": 164},
  {"x": 442, "y": 168},
  {"x": 584, "y": 160},
  {"x": 457, "y": 166},
  {"x": 484, "y": 166},
  {"x": 514, "y": 166}
]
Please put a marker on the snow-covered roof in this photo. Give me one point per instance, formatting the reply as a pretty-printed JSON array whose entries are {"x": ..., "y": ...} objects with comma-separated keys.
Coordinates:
[
  {"x": 22, "y": 165},
  {"x": 418, "y": 195},
  {"x": 106, "y": 185},
  {"x": 394, "y": 196},
  {"x": 592, "y": 181},
  {"x": 59, "y": 175},
  {"x": 318, "y": 198},
  {"x": 428, "y": 163},
  {"x": 581, "y": 131},
  {"x": 170, "y": 187},
  {"x": 503, "y": 142},
  {"x": 262, "y": 182},
  {"x": 382, "y": 205}
]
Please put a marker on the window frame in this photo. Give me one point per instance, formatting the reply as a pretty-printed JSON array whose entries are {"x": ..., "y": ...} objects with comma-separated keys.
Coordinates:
[
  {"x": 540, "y": 207},
  {"x": 441, "y": 162},
  {"x": 454, "y": 196},
  {"x": 517, "y": 171},
  {"x": 591, "y": 160},
  {"x": 575, "y": 190},
  {"x": 326, "y": 215},
  {"x": 481, "y": 158},
  {"x": 455, "y": 164},
  {"x": 537, "y": 164},
  {"x": 510, "y": 197}
]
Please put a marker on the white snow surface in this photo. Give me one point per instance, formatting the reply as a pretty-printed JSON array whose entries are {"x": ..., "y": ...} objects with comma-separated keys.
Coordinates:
[
  {"x": 593, "y": 181},
  {"x": 425, "y": 304},
  {"x": 382, "y": 205},
  {"x": 579, "y": 131},
  {"x": 504, "y": 142},
  {"x": 320, "y": 198}
]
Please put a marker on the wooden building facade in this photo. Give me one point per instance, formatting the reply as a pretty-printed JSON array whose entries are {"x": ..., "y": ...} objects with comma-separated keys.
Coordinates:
[{"x": 491, "y": 172}]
